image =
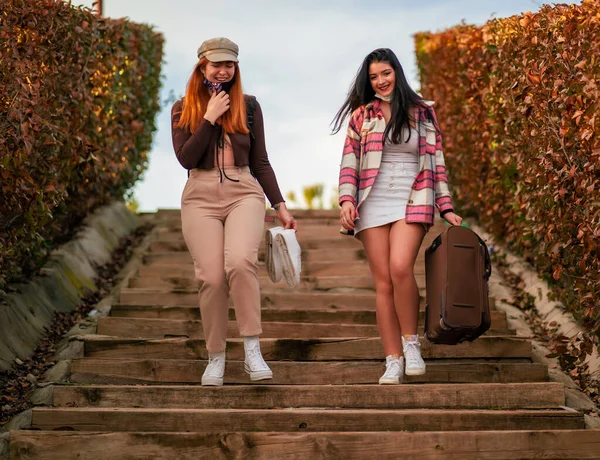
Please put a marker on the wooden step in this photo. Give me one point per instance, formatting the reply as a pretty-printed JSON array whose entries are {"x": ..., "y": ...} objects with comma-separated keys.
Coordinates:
[
  {"x": 271, "y": 314},
  {"x": 332, "y": 253},
  {"x": 189, "y": 371},
  {"x": 185, "y": 274},
  {"x": 447, "y": 445},
  {"x": 327, "y": 349},
  {"x": 345, "y": 268},
  {"x": 319, "y": 315},
  {"x": 505, "y": 396},
  {"x": 308, "y": 230},
  {"x": 280, "y": 298},
  {"x": 310, "y": 226},
  {"x": 186, "y": 280},
  {"x": 327, "y": 243},
  {"x": 156, "y": 328},
  {"x": 163, "y": 328},
  {"x": 306, "y": 224},
  {"x": 317, "y": 283},
  {"x": 295, "y": 420},
  {"x": 269, "y": 299},
  {"x": 356, "y": 282},
  {"x": 170, "y": 214},
  {"x": 315, "y": 268},
  {"x": 176, "y": 243}
]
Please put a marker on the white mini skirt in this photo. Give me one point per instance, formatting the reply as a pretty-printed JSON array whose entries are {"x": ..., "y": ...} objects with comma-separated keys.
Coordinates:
[{"x": 387, "y": 200}]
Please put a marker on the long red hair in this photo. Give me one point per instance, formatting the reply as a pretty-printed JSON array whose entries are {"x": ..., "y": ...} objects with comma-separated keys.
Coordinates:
[{"x": 197, "y": 97}]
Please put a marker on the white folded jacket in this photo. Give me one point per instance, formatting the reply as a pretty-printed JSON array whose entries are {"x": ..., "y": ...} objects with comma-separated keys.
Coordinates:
[{"x": 283, "y": 256}]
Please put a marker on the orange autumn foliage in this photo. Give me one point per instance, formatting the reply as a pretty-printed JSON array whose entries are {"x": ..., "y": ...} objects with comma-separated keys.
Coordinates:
[
  {"x": 78, "y": 98},
  {"x": 517, "y": 101}
]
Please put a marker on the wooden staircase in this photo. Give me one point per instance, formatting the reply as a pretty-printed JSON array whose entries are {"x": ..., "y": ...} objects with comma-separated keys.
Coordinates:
[{"x": 135, "y": 392}]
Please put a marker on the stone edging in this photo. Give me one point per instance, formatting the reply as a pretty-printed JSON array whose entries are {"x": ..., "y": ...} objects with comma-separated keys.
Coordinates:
[
  {"x": 538, "y": 288},
  {"x": 549, "y": 310},
  {"x": 4, "y": 446},
  {"x": 66, "y": 278},
  {"x": 71, "y": 346}
]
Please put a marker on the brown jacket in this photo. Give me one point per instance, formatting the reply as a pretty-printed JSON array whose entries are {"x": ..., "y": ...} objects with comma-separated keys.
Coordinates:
[{"x": 196, "y": 150}]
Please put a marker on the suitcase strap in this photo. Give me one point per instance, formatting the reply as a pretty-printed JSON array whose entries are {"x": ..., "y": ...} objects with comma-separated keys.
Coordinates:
[{"x": 488, "y": 262}]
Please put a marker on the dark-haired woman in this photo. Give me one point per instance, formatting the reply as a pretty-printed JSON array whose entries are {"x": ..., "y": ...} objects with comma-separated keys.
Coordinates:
[
  {"x": 392, "y": 178},
  {"x": 223, "y": 205}
]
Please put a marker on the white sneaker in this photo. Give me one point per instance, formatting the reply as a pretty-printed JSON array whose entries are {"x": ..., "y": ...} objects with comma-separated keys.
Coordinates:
[
  {"x": 412, "y": 353},
  {"x": 394, "y": 371},
  {"x": 290, "y": 256},
  {"x": 254, "y": 364},
  {"x": 213, "y": 374},
  {"x": 273, "y": 261}
]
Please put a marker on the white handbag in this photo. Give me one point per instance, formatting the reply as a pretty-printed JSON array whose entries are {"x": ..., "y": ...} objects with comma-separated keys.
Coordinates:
[{"x": 283, "y": 256}]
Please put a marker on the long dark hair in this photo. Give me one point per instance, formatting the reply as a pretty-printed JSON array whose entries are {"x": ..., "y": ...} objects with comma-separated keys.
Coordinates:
[{"x": 361, "y": 93}]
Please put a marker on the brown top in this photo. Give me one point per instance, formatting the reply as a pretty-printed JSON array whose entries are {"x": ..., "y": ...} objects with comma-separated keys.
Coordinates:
[{"x": 196, "y": 150}]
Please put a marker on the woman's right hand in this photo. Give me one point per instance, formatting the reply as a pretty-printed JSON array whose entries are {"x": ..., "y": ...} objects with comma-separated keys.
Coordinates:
[
  {"x": 347, "y": 215},
  {"x": 217, "y": 106}
]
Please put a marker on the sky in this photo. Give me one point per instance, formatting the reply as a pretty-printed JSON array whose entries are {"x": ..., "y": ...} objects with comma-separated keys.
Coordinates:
[{"x": 298, "y": 57}]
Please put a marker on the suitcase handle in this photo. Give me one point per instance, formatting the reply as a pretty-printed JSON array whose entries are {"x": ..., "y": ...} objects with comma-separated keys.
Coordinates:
[
  {"x": 488, "y": 262},
  {"x": 435, "y": 243}
]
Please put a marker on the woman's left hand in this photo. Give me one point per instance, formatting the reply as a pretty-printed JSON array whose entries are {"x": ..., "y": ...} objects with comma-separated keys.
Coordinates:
[
  {"x": 286, "y": 219},
  {"x": 452, "y": 218}
]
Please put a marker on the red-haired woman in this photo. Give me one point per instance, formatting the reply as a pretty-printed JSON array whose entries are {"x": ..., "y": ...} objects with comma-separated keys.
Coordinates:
[{"x": 223, "y": 205}]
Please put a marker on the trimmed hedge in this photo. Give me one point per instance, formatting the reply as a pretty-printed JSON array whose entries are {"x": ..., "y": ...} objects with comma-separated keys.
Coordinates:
[
  {"x": 517, "y": 100},
  {"x": 78, "y": 99}
]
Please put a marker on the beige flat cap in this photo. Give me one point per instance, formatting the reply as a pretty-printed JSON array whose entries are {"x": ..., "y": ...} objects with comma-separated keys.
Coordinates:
[{"x": 218, "y": 50}]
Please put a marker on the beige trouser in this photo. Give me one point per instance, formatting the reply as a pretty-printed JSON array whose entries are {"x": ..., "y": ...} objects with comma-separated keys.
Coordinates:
[{"x": 223, "y": 224}]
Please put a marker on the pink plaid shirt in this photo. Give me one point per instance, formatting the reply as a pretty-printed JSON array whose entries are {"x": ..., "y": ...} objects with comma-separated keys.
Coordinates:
[{"x": 362, "y": 157}]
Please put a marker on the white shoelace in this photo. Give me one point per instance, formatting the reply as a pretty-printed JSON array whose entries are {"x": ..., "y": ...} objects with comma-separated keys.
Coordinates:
[
  {"x": 412, "y": 354},
  {"x": 392, "y": 368},
  {"x": 255, "y": 360},
  {"x": 216, "y": 367}
]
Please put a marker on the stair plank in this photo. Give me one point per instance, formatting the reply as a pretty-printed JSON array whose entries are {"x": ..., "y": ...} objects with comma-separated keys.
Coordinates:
[
  {"x": 333, "y": 252},
  {"x": 180, "y": 312},
  {"x": 173, "y": 371},
  {"x": 346, "y": 300},
  {"x": 294, "y": 420},
  {"x": 451, "y": 396},
  {"x": 189, "y": 297},
  {"x": 477, "y": 445},
  {"x": 144, "y": 327},
  {"x": 166, "y": 215},
  {"x": 180, "y": 278},
  {"x": 309, "y": 268},
  {"x": 176, "y": 243},
  {"x": 158, "y": 328},
  {"x": 327, "y": 349},
  {"x": 169, "y": 281}
]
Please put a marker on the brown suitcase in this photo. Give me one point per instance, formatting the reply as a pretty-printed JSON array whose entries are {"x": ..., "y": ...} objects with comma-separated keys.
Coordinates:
[{"x": 457, "y": 269}]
